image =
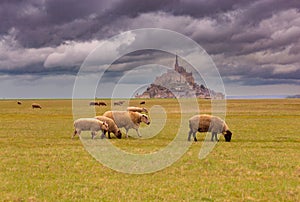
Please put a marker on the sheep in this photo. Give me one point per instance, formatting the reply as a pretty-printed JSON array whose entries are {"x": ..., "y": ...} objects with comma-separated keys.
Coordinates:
[
  {"x": 119, "y": 103},
  {"x": 89, "y": 124},
  {"x": 112, "y": 127},
  {"x": 137, "y": 109},
  {"x": 92, "y": 103},
  {"x": 102, "y": 104},
  {"x": 35, "y": 105},
  {"x": 19, "y": 102},
  {"x": 142, "y": 102},
  {"x": 208, "y": 123},
  {"x": 127, "y": 120}
]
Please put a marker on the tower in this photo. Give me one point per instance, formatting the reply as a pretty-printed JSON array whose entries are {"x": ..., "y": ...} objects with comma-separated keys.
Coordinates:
[{"x": 176, "y": 61}]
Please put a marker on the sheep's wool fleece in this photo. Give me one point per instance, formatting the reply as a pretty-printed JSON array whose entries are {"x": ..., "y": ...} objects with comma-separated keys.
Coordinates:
[
  {"x": 124, "y": 118},
  {"x": 88, "y": 124},
  {"x": 112, "y": 127},
  {"x": 208, "y": 123}
]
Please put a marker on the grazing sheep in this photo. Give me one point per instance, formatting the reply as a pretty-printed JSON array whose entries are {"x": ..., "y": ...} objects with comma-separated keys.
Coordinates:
[
  {"x": 112, "y": 127},
  {"x": 127, "y": 120},
  {"x": 35, "y": 105},
  {"x": 119, "y": 103},
  {"x": 102, "y": 104},
  {"x": 142, "y": 102},
  {"x": 92, "y": 103},
  {"x": 89, "y": 124},
  {"x": 19, "y": 102},
  {"x": 137, "y": 109},
  {"x": 208, "y": 123}
]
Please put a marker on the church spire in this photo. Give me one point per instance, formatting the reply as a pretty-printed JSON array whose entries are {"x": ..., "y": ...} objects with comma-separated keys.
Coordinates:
[{"x": 176, "y": 62}]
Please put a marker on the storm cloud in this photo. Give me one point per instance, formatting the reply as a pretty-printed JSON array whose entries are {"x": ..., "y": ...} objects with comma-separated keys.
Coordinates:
[{"x": 253, "y": 43}]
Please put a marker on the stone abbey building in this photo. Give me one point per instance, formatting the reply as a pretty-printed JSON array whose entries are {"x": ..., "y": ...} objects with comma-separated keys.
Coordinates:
[{"x": 178, "y": 83}]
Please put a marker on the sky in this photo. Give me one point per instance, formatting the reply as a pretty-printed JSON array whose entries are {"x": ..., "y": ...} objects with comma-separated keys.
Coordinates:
[{"x": 255, "y": 45}]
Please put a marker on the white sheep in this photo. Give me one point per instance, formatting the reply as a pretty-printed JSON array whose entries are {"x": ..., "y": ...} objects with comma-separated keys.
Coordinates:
[
  {"x": 35, "y": 105},
  {"x": 208, "y": 123},
  {"x": 89, "y": 124},
  {"x": 127, "y": 120},
  {"x": 137, "y": 109},
  {"x": 112, "y": 127}
]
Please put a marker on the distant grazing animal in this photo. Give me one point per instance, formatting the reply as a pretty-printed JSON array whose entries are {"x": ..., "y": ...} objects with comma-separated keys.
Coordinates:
[
  {"x": 137, "y": 109},
  {"x": 208, "y": 123},
  {"x": 89, "y": 124},
  {"x": 19, "y": 102},
  {"x": 92, "y": 103},
  {"x": 142, "y": 102},
  {"x": 112, "y": 127},
  {"x": 119, "y": 103},
  {"x": 102, "y": 104},
  {"x": 35, "y": 105},
  {"x": 127, "y": 120}
]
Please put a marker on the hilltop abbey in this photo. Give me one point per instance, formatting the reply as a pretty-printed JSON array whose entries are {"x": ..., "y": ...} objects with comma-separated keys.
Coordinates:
[{"x": 178, "y": 83}]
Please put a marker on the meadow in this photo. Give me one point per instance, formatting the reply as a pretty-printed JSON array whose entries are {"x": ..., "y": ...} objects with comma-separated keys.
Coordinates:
[{"x": 40, "y": 162}]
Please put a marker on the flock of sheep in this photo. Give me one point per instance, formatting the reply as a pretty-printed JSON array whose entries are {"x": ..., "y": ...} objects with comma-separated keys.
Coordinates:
[{"x": 111, "y": 121}]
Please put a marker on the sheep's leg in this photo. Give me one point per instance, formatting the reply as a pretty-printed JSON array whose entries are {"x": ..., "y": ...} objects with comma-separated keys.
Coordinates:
[
  {"x": 126, "y": 132},
  {"x": 109, "y": 135},
  {"x": 138, "y": 133},
  {"x": 190, "y": 134},
  {"x": 93, "y": 134},
  {"x": 75, "y": 132},
  {"x": 78, "y": 133},
  {"x": 214, "y": 134},
  {"x": 103, "y": 134},
  {"x": 194, "y": 135}
]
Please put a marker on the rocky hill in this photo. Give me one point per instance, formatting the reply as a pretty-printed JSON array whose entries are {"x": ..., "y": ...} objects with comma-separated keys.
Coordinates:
[{"x": 178, "y": 83}]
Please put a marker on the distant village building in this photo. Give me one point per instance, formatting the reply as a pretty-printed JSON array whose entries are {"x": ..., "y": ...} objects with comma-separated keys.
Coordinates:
[{"x": 178, "y": 84}]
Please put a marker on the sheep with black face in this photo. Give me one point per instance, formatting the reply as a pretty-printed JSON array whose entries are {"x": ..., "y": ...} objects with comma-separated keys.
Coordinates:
[
  {"x": 208, "y": 123},
  {"x": 112, "y": 127}
]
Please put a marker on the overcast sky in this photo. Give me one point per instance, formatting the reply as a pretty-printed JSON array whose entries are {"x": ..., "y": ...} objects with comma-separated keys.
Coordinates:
[{"x": 43, "y": 43}]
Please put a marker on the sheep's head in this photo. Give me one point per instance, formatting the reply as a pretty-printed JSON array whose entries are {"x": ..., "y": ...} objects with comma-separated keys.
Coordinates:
[
  {"x": 145, "y": 119},
  {"x": 104, "y": 126},
  {"x": 145, "y": 110},
  {"x": 228, "y": 135},
  {"x": 119, "y": 134}
]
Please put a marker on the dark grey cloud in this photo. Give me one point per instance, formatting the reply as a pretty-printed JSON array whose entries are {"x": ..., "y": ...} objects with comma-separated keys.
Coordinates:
[
  {"x": 260, "y": 10},
  {"x": 51, "y": 22},
  {"x": 38, "y": 69}
]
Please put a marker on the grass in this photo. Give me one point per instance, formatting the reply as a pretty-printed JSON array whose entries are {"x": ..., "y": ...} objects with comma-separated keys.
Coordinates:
[{"x": 40, "y": 162}]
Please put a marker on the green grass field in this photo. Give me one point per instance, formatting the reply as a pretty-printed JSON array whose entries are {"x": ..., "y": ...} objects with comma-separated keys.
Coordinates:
[{"x": 40, "y": 162}]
